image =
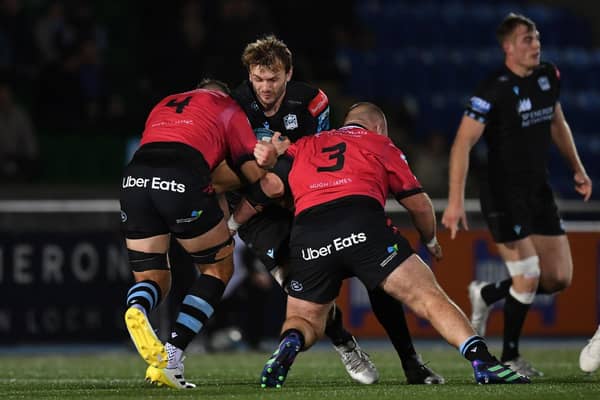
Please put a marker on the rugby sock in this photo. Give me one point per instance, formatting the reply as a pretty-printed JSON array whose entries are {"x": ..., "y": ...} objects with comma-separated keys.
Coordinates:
[
  {"x": 390, "y": 314},
  {"x": 495, "y": 291},
  {"x": 514, "y": 317},
  {"x": 541, "y": 290},
  {"x": 197, "y": 307},
  {"x": 474, "y": 348},
  {"x": 144, "y": 295},
  {"x": 498, "y": 290},
  {"x": 335, "y": 329}
]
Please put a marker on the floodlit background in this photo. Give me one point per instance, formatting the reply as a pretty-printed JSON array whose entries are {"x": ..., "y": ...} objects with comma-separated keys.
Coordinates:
[{"x": 83, "y": 75}]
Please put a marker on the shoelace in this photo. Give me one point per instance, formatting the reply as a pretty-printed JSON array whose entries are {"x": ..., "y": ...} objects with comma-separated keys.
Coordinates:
[{"x": 355, "y": 358}]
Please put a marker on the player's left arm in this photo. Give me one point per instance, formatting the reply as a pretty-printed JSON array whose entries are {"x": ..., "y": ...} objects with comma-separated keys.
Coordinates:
[
  {"x": 410, "y": 194},
  {"x": 422, "y": 214},
  {"x": 563, "y": 139}
]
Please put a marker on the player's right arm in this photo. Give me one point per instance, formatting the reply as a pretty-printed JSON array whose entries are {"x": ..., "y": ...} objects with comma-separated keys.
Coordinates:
[{"x": 469, "y": 132}]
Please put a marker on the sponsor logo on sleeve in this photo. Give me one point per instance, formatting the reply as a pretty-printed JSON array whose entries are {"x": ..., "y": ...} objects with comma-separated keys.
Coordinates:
[
  {"x": 544, "y": 83},
  {"x": 480, "y": 105},
  {"x": 318, "y": 104}
]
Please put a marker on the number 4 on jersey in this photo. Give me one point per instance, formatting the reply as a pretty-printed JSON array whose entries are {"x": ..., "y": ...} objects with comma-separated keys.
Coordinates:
[{"x": 179, "y": 105}]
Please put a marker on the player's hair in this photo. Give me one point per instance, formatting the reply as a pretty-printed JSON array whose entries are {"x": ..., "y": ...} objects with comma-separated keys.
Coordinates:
[
  {"x": 268, "y": 51},
  {"x": 509, "y": 24},
  {"x": 214, "y": 84}
]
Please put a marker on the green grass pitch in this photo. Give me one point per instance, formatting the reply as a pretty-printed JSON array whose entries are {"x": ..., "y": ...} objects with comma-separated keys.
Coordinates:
[{"x": 317, "y": 374}]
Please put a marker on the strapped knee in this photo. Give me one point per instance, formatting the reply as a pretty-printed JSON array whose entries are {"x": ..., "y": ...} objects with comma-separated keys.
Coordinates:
[
  {"x": 214, "y": 254},
  {"x": 529, "y": 267},
  {"x": 141, "y": 261}
]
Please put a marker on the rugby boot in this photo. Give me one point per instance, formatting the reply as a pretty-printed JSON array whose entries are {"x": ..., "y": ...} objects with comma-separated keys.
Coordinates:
[
  {"x": 171, "y": 377},
  {"x": 357, "y": 362},
  {"x": 146, "y": 342},
  {"x": 418, "y": 373},
  {"x": 479, "y": 309},
  {"x": 277, "y": 367},
  {"x": 494, "y": 372},
  {"x": 523, "y": 367},
  {"x": 589, "y": 359}
]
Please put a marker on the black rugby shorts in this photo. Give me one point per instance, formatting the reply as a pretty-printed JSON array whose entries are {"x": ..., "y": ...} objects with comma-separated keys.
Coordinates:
[
  {"x": 267, "y": 234},
  {"x": 166, "y": 189},
  {"x": 338, "y": 240},
  {"x": 513, "y": 211}
]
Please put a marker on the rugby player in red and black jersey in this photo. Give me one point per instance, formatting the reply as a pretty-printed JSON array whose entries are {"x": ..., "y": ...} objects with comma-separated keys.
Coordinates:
[
  {"x": 340, "y": 179},
  {"x": 167, "y": 191},
  {"x": 274, "y": 102},
  {"x": 517, "y": 111}
]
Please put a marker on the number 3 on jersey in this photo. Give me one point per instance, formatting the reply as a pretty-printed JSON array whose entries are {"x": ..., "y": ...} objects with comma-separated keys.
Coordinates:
[{"x": 337, "y": 155}]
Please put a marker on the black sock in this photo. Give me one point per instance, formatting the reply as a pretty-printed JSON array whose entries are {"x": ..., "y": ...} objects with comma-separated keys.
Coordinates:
[
  {"x": 514, "y": 318},
  {"x": 334, "y": 329},
  {"x": 495, "y": 291},
  {"x": 390, "y": 314},
  {"x": 197, "y": 307},
  {"x": 144, "y": 293},
  {"x": 541, "y": 290},
  {"x": 474, "y": 348}
]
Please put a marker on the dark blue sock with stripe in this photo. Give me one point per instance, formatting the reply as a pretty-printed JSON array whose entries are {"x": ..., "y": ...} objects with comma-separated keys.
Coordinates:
[
  {"x": 474, "y": 348},
  {"x": 197, "y": 307},
  {"x": 145, "y": 294}
]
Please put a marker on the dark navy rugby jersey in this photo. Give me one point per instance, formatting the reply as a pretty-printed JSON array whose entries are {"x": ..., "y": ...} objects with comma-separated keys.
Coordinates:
[
  {"x": 517, "y": 113},
  {"x": 304, "y": 110}
]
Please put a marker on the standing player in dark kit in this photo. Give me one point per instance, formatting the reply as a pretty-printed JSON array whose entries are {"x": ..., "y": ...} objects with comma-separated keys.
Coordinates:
[
  {"x": 167, "y": 191},
  {"x": 342, "y": 178},
  {"x": 518, "y": 113},
  {"x": 273, "y": 101}
]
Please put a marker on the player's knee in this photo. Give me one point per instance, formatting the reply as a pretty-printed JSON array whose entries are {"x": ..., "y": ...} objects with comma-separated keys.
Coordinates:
[
  {"x": 556, "y": 283},
  {"x": 272, "y": 186},
  {"x": 528, "y": 268},
  {"x": 141, "y": 261},
  {"x": 525, "y": 278}
]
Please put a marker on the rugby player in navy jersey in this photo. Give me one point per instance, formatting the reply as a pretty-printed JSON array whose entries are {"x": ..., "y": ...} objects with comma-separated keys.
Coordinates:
[
  {"x": 517, "y": 111},
  {"x": 341, "y": 179}
]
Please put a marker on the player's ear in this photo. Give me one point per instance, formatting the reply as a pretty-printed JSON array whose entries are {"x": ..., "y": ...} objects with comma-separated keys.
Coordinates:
[{"x": 289, "y": 74}]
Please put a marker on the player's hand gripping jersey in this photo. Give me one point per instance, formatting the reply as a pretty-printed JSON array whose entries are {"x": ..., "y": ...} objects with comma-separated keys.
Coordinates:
[{"x": 346, "y": 162}]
